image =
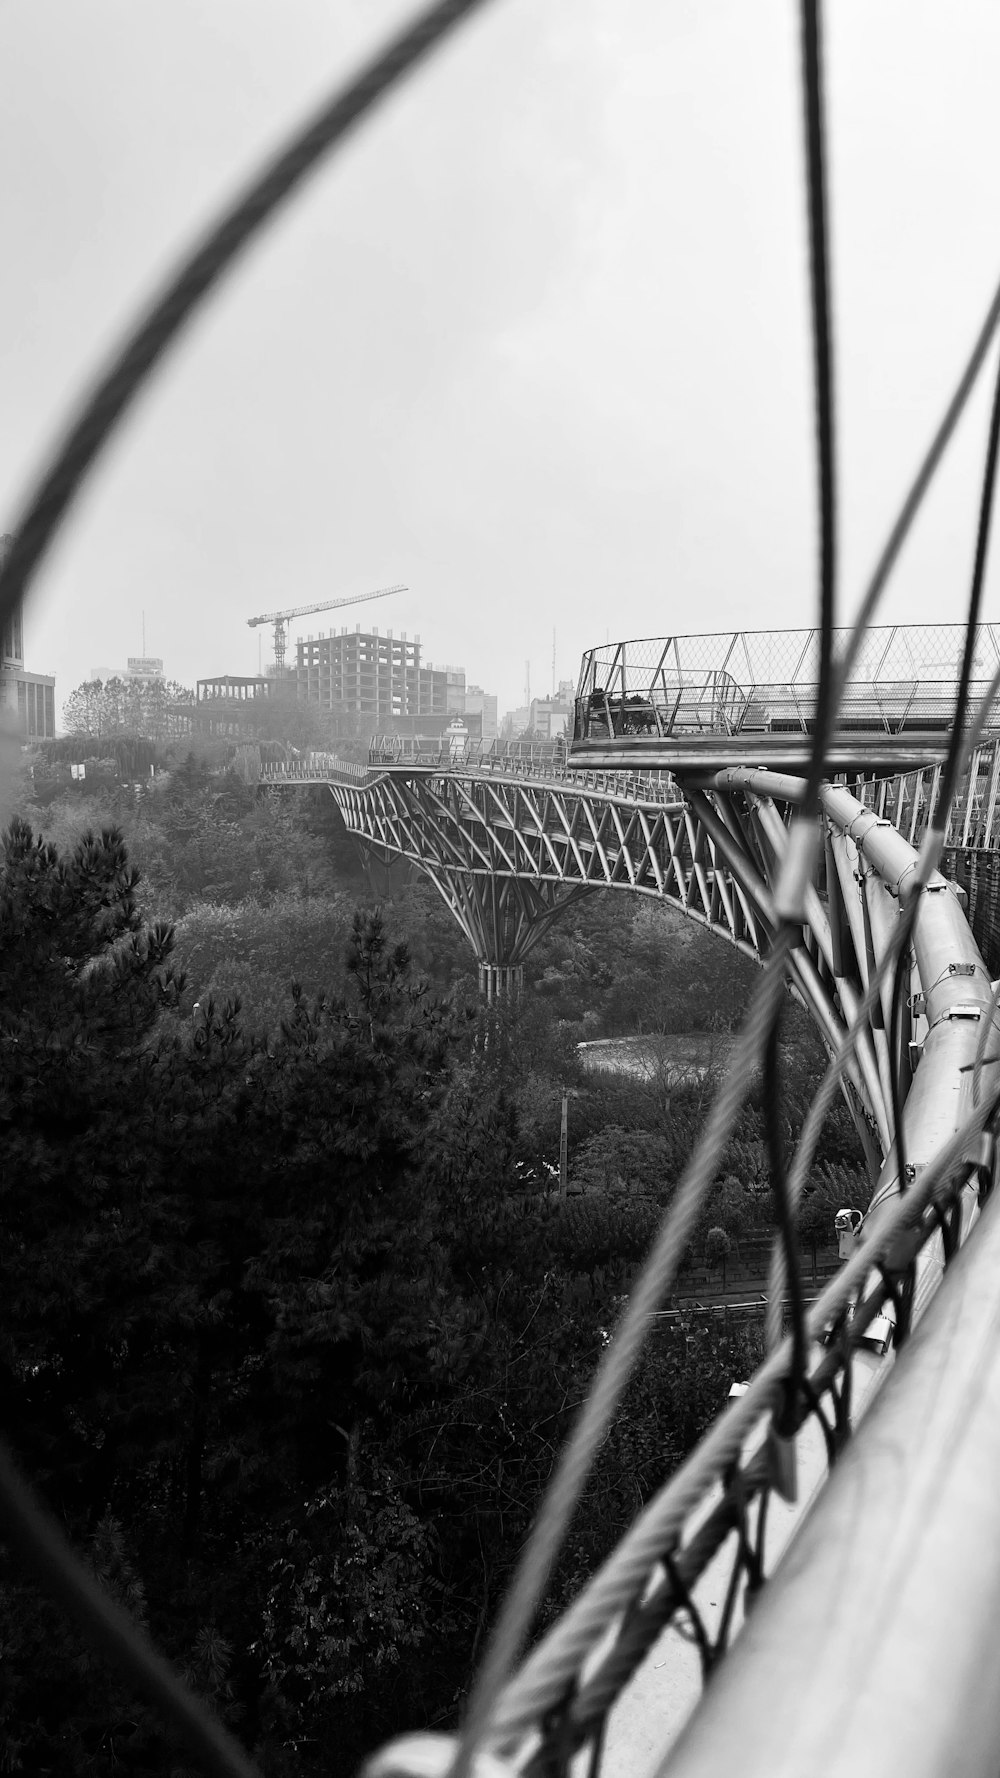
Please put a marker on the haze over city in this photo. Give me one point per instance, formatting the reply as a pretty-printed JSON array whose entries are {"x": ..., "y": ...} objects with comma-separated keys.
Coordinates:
[{"x": 535, "y": 344}]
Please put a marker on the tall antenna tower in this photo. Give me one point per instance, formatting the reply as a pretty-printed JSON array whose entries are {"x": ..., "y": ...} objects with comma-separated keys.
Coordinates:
[
  {"x": 555, "y": 683},
  {"x": 527, "y": 685}
]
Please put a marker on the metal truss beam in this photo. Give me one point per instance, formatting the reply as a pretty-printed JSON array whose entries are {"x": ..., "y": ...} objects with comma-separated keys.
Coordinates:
[{"x": 509, "y": 851}]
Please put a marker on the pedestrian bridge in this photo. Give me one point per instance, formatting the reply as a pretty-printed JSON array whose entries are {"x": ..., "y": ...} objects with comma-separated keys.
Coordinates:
[{"x": 897, "y": 1546}]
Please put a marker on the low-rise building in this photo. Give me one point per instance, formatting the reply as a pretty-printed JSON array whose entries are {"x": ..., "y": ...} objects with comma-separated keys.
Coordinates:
[
  {"x": 484, "y": 705},
  {"x": 30, "y": 696},
  {"x": 549, "y": 718}
]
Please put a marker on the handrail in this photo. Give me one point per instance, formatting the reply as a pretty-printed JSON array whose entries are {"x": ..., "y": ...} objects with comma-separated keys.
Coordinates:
[
  {"x": 764, "y": 682},
  {"x": 327, "y": 768},
  {"x": 878, "y": 1632}
]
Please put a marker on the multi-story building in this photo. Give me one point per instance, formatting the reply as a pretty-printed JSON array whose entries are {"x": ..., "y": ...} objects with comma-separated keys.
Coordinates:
[
  {"x": 147, "y": 668},
  {"x": 549, "y": 718},
  {"x": 484, "y": 705},
  {"x": 223, "y": 705},
  {"x": 377, "y": 683},
  {"x": 515, "y": 722},
  {"x": 31, "y": 695}
]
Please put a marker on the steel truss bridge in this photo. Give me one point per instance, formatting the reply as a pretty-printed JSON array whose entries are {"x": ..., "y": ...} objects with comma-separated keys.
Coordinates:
[{"x": 510, "y": 840}]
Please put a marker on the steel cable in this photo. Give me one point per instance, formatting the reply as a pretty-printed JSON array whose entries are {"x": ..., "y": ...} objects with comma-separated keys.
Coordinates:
[
  {"x": 41, "y": 1545},
  {"x": 812, "y": 93},
  {"x": 956, "y": 744},
  {"x": 38, "y": 1540},
  {"x": 564, "y": 1492},
  {"x": 829, "y": 1086},
  {"x": 224, "y": 240},
  {"x": 550, "y": 1667},
  {"x": 958, "y": 748},
  {"x": 917, "y": 492},
  {"x": 573, "y": 1466}
]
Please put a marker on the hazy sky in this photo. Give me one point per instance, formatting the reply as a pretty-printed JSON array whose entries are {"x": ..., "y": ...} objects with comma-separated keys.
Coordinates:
[{"x": 534, "y": 344}]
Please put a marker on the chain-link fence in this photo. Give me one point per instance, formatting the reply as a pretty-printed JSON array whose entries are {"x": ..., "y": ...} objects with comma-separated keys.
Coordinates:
[{"x": 904, "y": 679}]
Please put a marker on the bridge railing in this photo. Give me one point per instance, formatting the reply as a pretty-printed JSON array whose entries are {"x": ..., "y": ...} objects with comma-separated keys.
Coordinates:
[
  {"x": 907, "y": 799},
  {"x": 312, "y": 768},
  {"x": 392, "y": 749},
  {"x": 904, "y": 681}
]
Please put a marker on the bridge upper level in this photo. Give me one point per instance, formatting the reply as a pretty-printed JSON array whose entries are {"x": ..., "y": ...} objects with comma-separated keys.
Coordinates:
[
  {"x": 747, "y": 698},
  {"x": 905, "y": 796}
]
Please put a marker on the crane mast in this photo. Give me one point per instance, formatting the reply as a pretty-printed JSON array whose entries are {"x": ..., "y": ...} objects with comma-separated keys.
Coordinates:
[{"x": 280, "y": 618}]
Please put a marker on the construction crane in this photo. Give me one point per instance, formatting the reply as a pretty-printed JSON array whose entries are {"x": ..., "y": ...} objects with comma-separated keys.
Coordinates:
[{"x": 280, "y": 618}]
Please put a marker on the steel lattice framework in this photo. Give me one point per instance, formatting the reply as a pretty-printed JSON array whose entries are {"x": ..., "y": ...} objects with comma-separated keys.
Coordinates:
[{"x": 508, "y": 850}]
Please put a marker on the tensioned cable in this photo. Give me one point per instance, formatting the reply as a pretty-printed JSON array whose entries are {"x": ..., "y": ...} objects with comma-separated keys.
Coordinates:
[
  {"x": 924, "y": 866},
  {"x": 804, "y": 832},
  {"x": 564, "y": 1491},
  {"x": 38, "y": 1539},
  {"x": 957, "y": 750},
  {"x": 812, "y": 93},
  {"x": 615, "y": 1367},
  {"x": 224, "y": 240},
  {"x": 41, "y": 1544},
  {"x": 829, "y": 1086},
  {"x": 550, "y": 1667},
  {"x": 917, "y": 492}
]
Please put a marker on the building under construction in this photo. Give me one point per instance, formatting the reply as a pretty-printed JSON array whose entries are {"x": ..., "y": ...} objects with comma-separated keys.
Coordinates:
[{"x": 377, "y": 683}]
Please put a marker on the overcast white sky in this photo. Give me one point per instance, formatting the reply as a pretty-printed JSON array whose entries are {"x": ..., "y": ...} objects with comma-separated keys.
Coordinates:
[{"x": 534, "y": 344}]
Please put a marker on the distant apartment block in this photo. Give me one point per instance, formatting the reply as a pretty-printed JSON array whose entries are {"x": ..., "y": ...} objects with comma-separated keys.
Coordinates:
[
  {"x": 144, "y": 667},
  {"x": 378, "y": 683},
  {"x": 515, "y": 722},
  {"x": 548, "y": 718},
  {"x": 484, "y": 705},
  {"x": 544, "y": 718},
  {"x": 32, "y": 696}
]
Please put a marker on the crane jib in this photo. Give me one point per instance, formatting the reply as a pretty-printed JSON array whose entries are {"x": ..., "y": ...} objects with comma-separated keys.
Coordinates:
[{"x": 274, "y": 617}]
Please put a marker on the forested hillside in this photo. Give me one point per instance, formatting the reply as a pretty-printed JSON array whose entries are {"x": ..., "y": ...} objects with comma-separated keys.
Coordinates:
[{"x": 293, "y": 1326}]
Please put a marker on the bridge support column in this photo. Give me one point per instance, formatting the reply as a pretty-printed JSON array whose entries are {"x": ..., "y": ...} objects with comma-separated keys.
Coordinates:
[
  {"x": 500, "y": 981},
  {"x": 384, "y": 870},
  {"x": 502, "y": 918}
]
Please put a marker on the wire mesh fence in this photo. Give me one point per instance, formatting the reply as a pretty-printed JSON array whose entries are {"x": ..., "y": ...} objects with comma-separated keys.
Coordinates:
[{"x": 903, "y": 679}]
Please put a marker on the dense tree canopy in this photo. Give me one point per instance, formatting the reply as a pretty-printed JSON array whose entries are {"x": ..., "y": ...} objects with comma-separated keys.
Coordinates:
[
  {"x": 100, "y": 709},
  {"x": 292, "y": 1327}
]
